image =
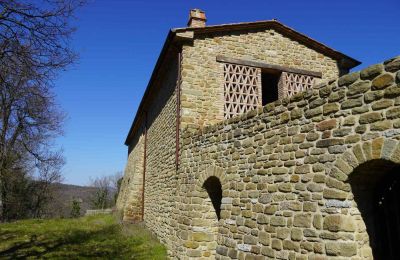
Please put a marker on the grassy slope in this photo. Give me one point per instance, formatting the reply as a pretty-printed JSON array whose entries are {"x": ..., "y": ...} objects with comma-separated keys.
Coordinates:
[{"x": 98, "y": 237}]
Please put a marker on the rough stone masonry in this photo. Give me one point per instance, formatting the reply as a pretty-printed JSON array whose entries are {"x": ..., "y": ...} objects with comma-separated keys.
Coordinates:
[
  {"x": 286, "y": 171},
  {"x": 310, "y": 176}
]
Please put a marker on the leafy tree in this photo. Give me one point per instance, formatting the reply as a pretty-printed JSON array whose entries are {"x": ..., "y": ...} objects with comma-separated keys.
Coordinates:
[{"x": 75, "y": 208}]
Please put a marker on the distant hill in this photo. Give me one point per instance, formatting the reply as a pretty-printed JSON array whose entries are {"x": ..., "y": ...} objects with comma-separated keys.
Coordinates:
[{"x": 64, "y": 194}]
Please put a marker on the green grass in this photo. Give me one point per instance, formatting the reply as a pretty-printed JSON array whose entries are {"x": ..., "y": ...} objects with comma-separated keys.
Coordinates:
[{"x": 94, "y": 237}]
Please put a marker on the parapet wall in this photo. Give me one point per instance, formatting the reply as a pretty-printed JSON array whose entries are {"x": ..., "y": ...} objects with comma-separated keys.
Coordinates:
[{"x": 286, "y": 170}]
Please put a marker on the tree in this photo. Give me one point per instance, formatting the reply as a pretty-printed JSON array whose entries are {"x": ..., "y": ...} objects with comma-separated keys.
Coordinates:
[
  {"x": 106, "y": 188},
  {"x": 34, "y": 47},
  {"x": 101, "y": 196},
  {"x": 75, "y": 208}
]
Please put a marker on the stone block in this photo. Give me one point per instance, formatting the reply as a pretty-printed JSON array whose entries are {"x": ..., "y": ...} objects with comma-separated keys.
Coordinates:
[
  {"x": 392, "y": 91},
  {"x": 291, "y": 245},
  {"x": 382, "y": 81},
  {"x": 346, "y": 249},
  {"x": 326, "y": 125},
  {"x": 296, "y": 234},
  {"x": 264, "y": 238},
  {"x": 348, "y": 78},
  {"x": 278, "y": 221},
  {"x": 302, "y": 220},
  {"x": 370, "y": 117},
  {"x": 371, "y": 72},
  {"x": 334, "y": 194},
  {"x": 329, "y": 142},
  {"x": 392, "y": 65},
  {"x": 358, "y": 88},
  {"x": 202, "y": 237},
  {"x": 351, "y": 103},
  {"x": 337, "y": 223}
]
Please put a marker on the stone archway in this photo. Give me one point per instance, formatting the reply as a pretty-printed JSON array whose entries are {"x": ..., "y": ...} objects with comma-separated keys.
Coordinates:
[
  {"x": 376, "y": 190},
  {"x": 372, "y": 171}
]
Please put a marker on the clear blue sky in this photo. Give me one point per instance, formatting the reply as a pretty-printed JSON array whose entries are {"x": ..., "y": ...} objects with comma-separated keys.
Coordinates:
[{"x": 120, "y": 40}]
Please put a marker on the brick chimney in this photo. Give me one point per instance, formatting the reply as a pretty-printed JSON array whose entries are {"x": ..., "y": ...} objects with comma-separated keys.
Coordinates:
[{"x": 197, "y": 18}]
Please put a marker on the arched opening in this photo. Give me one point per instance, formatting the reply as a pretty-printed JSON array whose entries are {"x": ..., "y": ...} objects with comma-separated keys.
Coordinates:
[
  {"x": 376, "y": 189},
  {"x": 214, "y": 189}
]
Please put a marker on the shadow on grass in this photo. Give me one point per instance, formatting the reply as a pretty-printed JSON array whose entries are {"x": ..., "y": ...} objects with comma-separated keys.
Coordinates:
[
  {"x": 37, "y": 248},
  {"x": 106, "y": 242}
]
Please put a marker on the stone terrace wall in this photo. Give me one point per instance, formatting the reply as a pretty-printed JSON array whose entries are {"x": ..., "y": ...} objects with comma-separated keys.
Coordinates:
[
  {"x": 203, "y": 77},
  {"x": 284, "y": 171}
]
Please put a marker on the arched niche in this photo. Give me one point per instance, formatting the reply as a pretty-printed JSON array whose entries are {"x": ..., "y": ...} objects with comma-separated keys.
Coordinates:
[
  {"x": 214, "y": 190},
  {"x": 376, "y": 188}
]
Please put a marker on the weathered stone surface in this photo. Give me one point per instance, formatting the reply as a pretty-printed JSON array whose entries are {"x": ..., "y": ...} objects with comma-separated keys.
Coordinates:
[
  {"x": 351, "y": 103},
  {"x": 329, "y": 142},
  {"x": 393, "y": 113},
  {"x": 265, "y": 198},
  {"x": 393, "y": 65},
  {"x": 326, "y": 125},
  {"x": 372, "y": 96},
  {"x": 349, "y": 78},
  {"x": 371, "y": 72},
  {"x": 370, "y": 117},
  {"x": 392, "y": 91},
  {"x": 330, "y": 108},
  {"x": 302, "y": 220},
  {"x": 278, "y": 221},
  {"x": 358, "y": 88},
  {"x": 382, "y": 81},
  {"x": 201, "y": 236},
  {"x": 346, "y": 249},
  {"x": 334, "y": 194},
  {"x": 382, "y": 104},
  {"x": 337, "y": 223},
  {"x": 244, "y": 247}
]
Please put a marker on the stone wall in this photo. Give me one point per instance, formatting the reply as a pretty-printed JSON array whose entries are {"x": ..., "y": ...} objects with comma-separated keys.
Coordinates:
[
  {"x": 160, "y": 166},
  {"x": 131, "y": 191},
  {"x": 285, "y": 169},
  {"x": 202, "y": 76},
  {"x": 160, "y": 185}
]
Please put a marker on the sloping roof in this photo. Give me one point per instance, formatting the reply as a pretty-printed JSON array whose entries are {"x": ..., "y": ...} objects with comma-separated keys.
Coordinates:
[{"x": 344, "y": 60}]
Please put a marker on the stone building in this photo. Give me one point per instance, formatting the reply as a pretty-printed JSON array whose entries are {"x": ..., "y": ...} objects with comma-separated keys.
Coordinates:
[{"x": 252, "y": 141}]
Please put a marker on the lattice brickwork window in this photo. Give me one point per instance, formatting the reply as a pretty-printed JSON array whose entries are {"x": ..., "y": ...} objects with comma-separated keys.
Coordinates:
[
  {"x": 242, "y": 89},
  {"x": 291, "y": 83}
]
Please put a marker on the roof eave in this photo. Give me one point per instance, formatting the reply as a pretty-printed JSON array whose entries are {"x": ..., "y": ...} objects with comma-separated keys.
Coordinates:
[{"x": 147, "y": 91}]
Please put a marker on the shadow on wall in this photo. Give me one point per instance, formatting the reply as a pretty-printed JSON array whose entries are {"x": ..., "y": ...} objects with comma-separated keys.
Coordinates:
[
  {"x": 376, "y": 188},
  {"x": 214, "y": 190}
]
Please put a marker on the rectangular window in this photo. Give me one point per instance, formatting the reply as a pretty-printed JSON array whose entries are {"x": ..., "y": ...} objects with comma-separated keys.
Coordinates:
[
  {"x": 242, "y": 89},
  {"x": 252, "y": 84},
  {"x": 292, "y": 83}
]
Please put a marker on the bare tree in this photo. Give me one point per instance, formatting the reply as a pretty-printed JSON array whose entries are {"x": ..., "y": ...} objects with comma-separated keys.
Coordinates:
[
  {"x": 106, "y": 188},
  {"x": 34, "y": 47},
  {"x": 102, "y": 193}
]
